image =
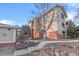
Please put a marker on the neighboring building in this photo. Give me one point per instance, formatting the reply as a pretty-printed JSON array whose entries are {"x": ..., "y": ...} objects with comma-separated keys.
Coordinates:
[
  {"x": 18, "y": 31},
  {"x": 57, "y": 29},
  {"x": 7, "y": 35}
]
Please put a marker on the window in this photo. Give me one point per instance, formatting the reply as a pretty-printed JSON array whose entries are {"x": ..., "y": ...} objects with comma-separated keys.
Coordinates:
[
  {"x": 63, "y": 32},
  {"x": 9, "y": 29},
  {"x": 63, "y": 25},
  {"x": 66, "y": 23}
]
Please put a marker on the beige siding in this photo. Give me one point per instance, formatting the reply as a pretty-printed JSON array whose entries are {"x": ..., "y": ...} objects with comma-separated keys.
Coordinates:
[
  {"x": 6, "y": 34},
  {"x": 53, "y": 27}
]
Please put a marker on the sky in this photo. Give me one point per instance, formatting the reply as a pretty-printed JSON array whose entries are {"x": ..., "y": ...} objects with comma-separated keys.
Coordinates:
[
  {"x": 20, "y": 13},
  {"x": 15, "y": 13}
]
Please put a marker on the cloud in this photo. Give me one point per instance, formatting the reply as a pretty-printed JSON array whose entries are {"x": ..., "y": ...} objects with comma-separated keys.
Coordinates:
[
  {"x": 71, "y": 15},
  {"x": 9, "y": 22},
  {"x": 72, "y": 7},
  {"x": 76, "y": 21},
  {"x": 72, "y": 11}
]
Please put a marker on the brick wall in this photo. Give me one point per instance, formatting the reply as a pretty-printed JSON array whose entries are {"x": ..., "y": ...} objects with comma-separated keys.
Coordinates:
[
  {"x": 53, "y": 35},
  {"x": 38, "y": 35}
]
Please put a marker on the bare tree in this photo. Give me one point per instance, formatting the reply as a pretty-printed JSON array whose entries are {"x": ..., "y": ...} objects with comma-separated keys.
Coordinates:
[
  {"x": 46, "y": 23},
  {"x": 40, "y": 9}
]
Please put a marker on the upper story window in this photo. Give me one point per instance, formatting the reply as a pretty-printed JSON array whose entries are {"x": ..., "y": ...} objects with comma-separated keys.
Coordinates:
[
  {"x": 63, "y": 25},
  {"x": 66, "y": 23}
]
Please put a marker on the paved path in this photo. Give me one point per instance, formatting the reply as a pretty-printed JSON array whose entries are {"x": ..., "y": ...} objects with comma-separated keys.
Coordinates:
[
  {"x": 39, "y": 46},
  {"x": 7, "y": 51}
]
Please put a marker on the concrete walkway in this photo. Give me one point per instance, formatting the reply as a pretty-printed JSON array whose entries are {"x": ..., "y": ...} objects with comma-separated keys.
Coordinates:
[
  {"x": 7, "y": 51},
  {"x": 40, "y": 45}
]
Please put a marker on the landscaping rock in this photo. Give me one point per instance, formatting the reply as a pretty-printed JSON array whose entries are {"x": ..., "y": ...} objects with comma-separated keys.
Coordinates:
[{"x": 65, "y": 49}]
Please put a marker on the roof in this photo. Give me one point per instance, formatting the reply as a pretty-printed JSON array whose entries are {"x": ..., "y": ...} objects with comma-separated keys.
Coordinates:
[
  {"x": 5, "y": 26},
  {"x": 50, "y": 11}
]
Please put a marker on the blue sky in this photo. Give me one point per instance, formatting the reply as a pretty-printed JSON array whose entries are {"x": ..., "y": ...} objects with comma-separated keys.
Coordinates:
[
  {"x": 15, "y": 13},
  {"x": 20, "y": 13}
]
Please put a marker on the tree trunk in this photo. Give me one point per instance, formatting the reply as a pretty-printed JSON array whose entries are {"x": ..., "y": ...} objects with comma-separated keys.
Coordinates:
[{"x": 45, "y": 35}]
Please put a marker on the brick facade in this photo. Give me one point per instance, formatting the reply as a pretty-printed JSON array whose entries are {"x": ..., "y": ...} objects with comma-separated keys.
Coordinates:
[
  {"x": 55, "y": 30},
  {"x": 53, "y": 35},
  {"x": 37, "y": 35}
]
